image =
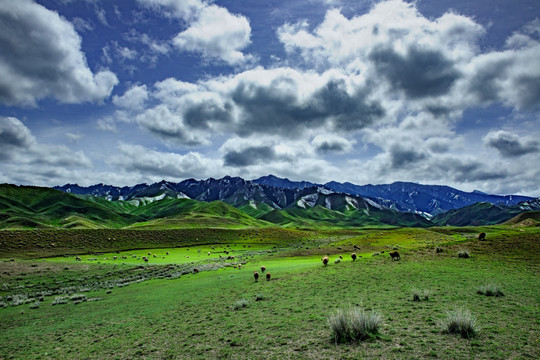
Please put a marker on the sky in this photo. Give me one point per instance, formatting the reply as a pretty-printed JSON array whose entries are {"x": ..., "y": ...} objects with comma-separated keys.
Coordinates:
[{"x": 369, "y": 92}]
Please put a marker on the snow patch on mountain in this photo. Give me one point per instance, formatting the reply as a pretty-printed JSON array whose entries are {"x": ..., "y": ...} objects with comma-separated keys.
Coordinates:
[
  {"x": 147, "y": 200},
  {"x": 308, "y": 201}
]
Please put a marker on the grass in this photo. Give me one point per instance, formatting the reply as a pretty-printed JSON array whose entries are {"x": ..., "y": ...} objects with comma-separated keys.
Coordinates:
[
  {"x": 489, "y": 290},
  {"x": 354, "y": 324},
  {"x": 193, "y": 317},
  {"x": 460, "y": 321}
]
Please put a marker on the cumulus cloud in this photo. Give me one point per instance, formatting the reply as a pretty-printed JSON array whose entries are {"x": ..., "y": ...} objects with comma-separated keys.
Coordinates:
[
  {"x": 217, "y": 34},
  {"x": 42, "y": 57},
  {"x": 25, "y": 160},
  {"x": 14, "y": 137},
  {"x": 331, "y": 143},
  {"x": 212, "y": 31},
  {"x": 139, "y": 159},
  {"x": 134, "y": 98},
  {"x": 511, "y": 145}
]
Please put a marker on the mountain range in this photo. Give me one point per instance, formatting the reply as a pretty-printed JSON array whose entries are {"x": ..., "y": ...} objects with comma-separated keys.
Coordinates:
[
  {"x": 233, "y": 202},
  {"x": 428, "y": 200}
]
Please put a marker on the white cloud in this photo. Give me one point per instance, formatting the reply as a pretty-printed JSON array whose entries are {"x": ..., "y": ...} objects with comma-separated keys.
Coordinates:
[
  {"x": 41, "y": 57},
  {"x": 133, "y": 99},
  {"x": 156, "y": 164},
  {"x": 25, "y": 160},
  {"x": 212, "y": 31},
  {"x": 217, "y": 34}
]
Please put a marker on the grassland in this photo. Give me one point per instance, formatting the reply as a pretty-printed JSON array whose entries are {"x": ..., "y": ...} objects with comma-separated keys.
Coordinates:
[{"x": 162, "y": 309}]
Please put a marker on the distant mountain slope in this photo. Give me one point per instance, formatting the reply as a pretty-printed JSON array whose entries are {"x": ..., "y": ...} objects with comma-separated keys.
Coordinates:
[
  {"x": 484, "y": 214},
  {"x": 271, "y": 180},
  {"x": 429, "y": 199},
  {"x": 27, "y": 206}
]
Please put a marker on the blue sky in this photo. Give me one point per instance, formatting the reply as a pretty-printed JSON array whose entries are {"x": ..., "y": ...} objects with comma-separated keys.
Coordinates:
[{"x": 124, "y": 92}]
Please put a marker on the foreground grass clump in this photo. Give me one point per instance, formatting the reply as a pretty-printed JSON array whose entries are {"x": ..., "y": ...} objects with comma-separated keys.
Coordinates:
[
  {"x": 354, "y": 324},
  {"x": 240, "y": 304},
  {"x": 419, "y": 295},
  {"x": 460, "y": 321},
  {"x": 489, "y": 290},
  {"x": 464, "y": 254}
]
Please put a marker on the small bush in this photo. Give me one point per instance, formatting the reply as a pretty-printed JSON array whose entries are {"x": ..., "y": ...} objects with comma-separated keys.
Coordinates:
[
  {"x": 259, "y": 297},
  {"x": 3, "y": 305},
  {"x": 489, "y": 290},
  {"x": 354, "y": 324},
  {"x": 464, "y": 254},
  {"x": 241, "y": 304},
  {"x": 337, "y": 261},
  {"x": 460, "y": 321}
]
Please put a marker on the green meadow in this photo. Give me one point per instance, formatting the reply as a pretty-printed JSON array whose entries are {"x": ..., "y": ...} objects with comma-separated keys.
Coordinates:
[{"x": 89, "y": 294}]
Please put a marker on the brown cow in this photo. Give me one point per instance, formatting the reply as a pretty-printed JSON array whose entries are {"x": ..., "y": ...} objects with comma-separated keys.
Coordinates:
[
  {"x": 353, "y": 255},
  {"x": 268, "y": 276},
  {"x": 395, "y": 256},
  {"x": 263, "y": 269},
  {"x": 482, "y": 236},
  {"x": 325, "y": 260},
  {"x": 256, "y": 276}
]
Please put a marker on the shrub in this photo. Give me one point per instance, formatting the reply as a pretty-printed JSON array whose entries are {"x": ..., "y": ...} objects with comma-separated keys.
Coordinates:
[
  {"x": 337, "y": 261},
  {"x": 464, "y": 254},
  {"x": 241, "y": 304},
  {"x": 489, "y": 290},
  {"x": 460, "y": 321},
  {"x": 259, "y": 297},
  {"x": 354, "y": 324},
  {"x": 3, "y": 305}
]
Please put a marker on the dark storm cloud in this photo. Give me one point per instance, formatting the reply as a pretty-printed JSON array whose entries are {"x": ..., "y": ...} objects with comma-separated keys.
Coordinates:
[
  {"x": 510, "y": 145},
  {"x": 249, "y": 156},
  {"x": 270, "y": 109},
  {"x": 420, "y": 73},
  {"x": 201, "y": 115},
  {"x": 467, "y": 170},
  {"x": 403, "y": 156},
  {"x": 14, "y": 137}
]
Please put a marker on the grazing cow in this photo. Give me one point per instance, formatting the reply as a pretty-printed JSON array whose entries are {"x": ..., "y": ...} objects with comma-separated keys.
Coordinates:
[
  {"x": 78, "y": 258},
  {"x": 395, "y": 256},
  {"x": 263, "y": 269},
  {"x": 256, "y": 276},
  {"x": 482, "y": 236},
  {"x": 353, "y": 256},
  {"x": 145, "y": 259},
  {"x": 268, "y": 277},
  {"x": 195, "y": 270},
  {"x": 325, "y": 260},
  {"x": 154, "y": 255},
  {"x": 167, "y": 253},
  {"x": 115, "y": 257},
  {"x": 149, "y": 253},
  {"x": 239, "y": 266},
  {"x": 341, "y": 257},
  {"x": 439, "y": 250}
]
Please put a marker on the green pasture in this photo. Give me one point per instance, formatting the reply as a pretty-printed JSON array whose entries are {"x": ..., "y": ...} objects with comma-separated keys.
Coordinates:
[{"x": 222, "y": 313}]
